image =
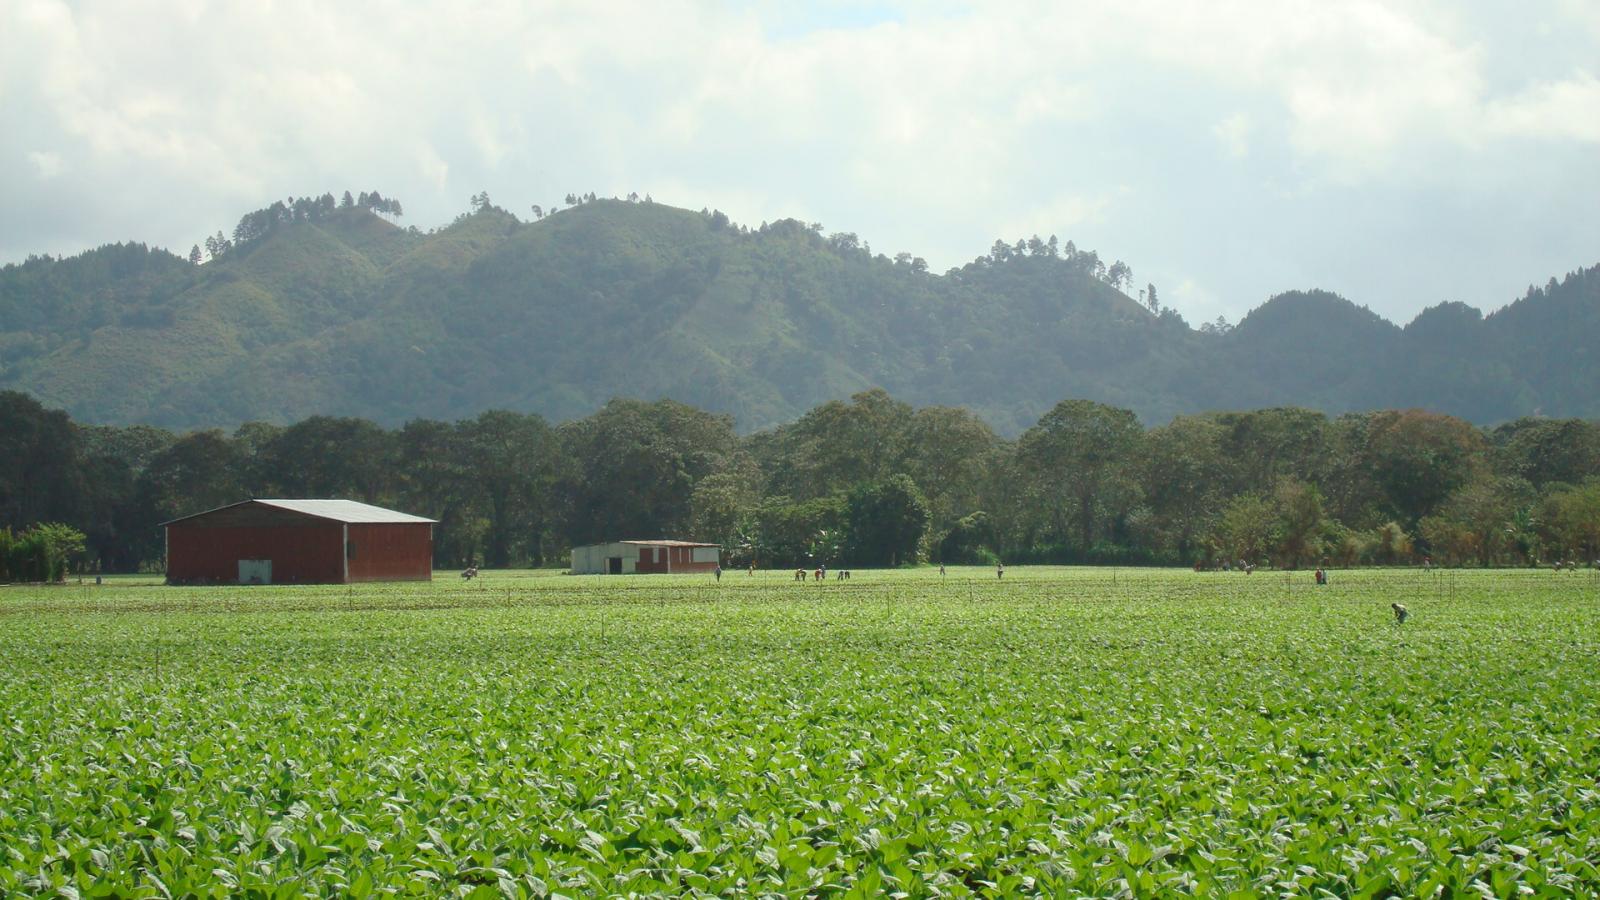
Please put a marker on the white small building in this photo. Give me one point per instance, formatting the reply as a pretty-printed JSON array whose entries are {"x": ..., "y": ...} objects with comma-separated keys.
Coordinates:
[{"x": 645, "y": 557}]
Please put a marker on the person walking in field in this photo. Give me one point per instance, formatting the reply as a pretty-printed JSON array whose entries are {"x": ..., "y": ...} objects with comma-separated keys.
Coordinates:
[
  {"x": 1000, "y": 570},
  {"x": 717, "y": 571}
]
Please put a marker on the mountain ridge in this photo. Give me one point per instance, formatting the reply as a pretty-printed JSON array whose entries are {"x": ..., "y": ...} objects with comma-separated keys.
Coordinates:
[{"x": 350, "y": 314}]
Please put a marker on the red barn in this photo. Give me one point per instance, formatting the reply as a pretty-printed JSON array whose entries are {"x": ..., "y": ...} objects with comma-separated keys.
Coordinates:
[{"x": 298, "y": 542}]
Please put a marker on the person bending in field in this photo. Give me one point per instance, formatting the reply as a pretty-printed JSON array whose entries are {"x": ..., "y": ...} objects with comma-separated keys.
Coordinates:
[
  {"x": 799, "y": 574},
  {"x": 1400, "y": 613}
]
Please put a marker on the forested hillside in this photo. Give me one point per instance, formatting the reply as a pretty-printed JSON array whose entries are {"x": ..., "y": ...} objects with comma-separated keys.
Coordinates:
[{"x": 317, "y": 307}]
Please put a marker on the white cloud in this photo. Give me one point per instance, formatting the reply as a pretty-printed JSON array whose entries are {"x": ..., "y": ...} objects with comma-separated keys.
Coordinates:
[
  {"x": 933, "y": 129},
  {"x": 1233, "y": 134},
  {"x": 1197, "y": 303},
  {"x": 46, "y": 164},
  {"x": 1062, "y": 215},
  {"x": 1560, "y": 110}
]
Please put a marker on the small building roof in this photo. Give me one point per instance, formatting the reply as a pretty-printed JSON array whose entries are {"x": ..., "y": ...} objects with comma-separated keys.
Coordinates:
[
  {"x": 346, "y": 511},
  {"x": 662, "y": 542},
  {"x": 668, "y": 543}
]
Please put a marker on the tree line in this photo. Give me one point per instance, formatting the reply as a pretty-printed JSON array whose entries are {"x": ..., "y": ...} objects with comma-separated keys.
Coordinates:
[
  {"x": 868, "y": 481},
  {"x": 255, "y": 225}
]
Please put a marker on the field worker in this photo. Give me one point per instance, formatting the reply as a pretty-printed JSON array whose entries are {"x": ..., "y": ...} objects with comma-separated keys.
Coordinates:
[
  {"x": 941, "y": 570},
  {"x": 1400, "y": 613},
  {"x": 1000, "y": 570},
  {"x": 818, "y": 573},
  {"x": 717, "y": 571},
  {"x": 799, "y": 574},
  {"x": 1322, "y": 577},
  {"x": 752, "y": 569}
]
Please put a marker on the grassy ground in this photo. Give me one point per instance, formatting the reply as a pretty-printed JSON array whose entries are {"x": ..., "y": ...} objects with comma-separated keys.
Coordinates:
[{"x": 1065, "y": 731}]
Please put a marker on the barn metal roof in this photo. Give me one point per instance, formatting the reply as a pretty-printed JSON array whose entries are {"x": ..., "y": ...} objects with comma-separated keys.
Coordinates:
[{"x": 347, "y": 511}]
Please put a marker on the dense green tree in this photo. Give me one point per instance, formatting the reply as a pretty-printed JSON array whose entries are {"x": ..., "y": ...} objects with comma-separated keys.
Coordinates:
[
  {"x": 1184, "y": 474},
  {"x": 838, "y": 445},
  {"x": 1419, "y": 458},
  {"x": 1471, "y": 524},
  {"x": 1545, "y": 451},
  {"x": 635, "y": 466},
  {"x": 1247, "y": 529},
  {"x": 971, "y": 541},
  {"x": 1300, "y": 523},
  {"x": 326, "y": 456},
  {"x": 1570, "y": 519},
  {"x": 945, "y": 451},
  {"x": 1081, "y": 456},
  {"x": 1268, "y": 444},
  {"x": 199, "y": 471},
  {"x": 510, "y": 456},
  {"x": 719, "y": 502},
  {"x": 887, "y": 522},
  {"x": 41, "y": 471},
  {"x": 781, "y": 532},
  {"x": 43, "y": 552}
]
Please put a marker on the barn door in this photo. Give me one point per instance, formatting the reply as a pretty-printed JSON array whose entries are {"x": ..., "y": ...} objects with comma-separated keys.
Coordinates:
[{"x": 255, "y": 571}]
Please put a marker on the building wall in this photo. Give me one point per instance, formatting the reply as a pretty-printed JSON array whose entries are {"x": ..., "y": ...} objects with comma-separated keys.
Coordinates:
[
  {"x": 392, "y": 551},
  {"x": 592, "y": 559},
  {"x": 305, "y": 552},
  {"x": 674, "y": 559}
]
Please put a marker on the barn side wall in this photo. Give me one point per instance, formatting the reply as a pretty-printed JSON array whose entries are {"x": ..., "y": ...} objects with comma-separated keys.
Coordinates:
[
  {"x": 306, "y": 552},
  {"x": 397, "y": 551}
]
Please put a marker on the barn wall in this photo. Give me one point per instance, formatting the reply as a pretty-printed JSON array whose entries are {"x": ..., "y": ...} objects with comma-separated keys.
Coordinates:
[
  {"x": 391, "y": 551},
  {"x": 306, "y": 552}
]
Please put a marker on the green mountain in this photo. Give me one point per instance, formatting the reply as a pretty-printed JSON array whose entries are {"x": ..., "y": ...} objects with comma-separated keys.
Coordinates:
[{"x": 339, "y": 311}]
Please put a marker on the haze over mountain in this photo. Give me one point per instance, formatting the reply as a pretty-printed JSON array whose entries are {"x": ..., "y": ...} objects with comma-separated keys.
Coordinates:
[{"x": 323, "y": 308}]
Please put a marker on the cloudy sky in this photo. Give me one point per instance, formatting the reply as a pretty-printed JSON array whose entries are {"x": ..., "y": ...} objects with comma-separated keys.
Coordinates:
[{"x": 1400, "y": 153}]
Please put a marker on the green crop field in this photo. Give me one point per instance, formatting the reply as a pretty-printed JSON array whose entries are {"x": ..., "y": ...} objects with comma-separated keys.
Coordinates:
[{"x": 1065, "y": 732}]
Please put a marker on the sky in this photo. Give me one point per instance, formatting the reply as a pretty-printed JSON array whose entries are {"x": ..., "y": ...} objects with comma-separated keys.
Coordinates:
[{"x": 1399, "y": 153}]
